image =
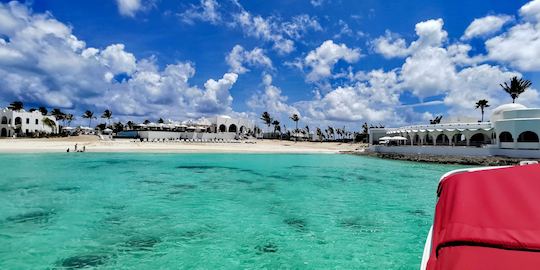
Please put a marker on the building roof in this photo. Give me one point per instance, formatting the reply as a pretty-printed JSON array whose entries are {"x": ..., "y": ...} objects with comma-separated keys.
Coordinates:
[{"x": 497, "y": 113}]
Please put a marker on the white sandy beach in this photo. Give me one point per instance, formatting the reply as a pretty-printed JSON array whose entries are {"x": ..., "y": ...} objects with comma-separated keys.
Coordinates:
[{"x": 93, "y": 144}]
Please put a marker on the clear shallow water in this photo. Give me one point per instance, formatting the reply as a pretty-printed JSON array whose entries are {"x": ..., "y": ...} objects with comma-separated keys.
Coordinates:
[{"x": 213, "y": 211}]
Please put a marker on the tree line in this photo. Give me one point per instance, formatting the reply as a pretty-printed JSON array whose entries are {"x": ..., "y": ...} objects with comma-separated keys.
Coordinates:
[{"x": 515, "y": 87}]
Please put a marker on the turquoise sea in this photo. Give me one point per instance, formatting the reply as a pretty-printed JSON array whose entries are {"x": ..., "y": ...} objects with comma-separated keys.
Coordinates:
[{"x": 213, "y": 211}]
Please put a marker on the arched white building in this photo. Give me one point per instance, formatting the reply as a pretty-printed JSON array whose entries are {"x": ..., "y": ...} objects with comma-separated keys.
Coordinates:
[
  {"x": 514, "y": 130},
  {"x": 223, "y": 124},
  {"x": 518, "y": 128},
  {"x": 22, "y": 122}
]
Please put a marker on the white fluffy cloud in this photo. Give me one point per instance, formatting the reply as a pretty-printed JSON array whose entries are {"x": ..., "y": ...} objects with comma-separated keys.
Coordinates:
[
  {"x": 129, "y": 7},
  {"x": 433, "y": 68},
  {"x": 321, "y": 61},
  {"x": 430, "y": 34},
  {"x": 238, "y": 58},
  {"x": 475, "y": 83},
  {"x": 275, "y": 30},
  {"x": 117, "y": 59},
  {"x": 317, "y": 3},
  {"x": 520, "y": 45},
  {"x": 486, "y": 26},
  {"x": 42, "y": 62},
  {"x": 216, "y": 97},
  {"x": 372, "y": 98},
  {"x": 271, "y": 100},
  {"x": 259, "y": 27},
  {"x": 428, "y": 72},
  {"x": 206, "y": 11},
  {"x": 531, "y": 11}
]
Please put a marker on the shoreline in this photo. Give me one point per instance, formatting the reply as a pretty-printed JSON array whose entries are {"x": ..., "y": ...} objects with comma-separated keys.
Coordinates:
[
  {"x": 94, "y": 145},
  {"x": 455, "y": 160}
]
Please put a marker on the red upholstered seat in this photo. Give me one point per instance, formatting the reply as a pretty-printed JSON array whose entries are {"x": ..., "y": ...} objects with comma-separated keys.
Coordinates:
[
  {"x": 488, "y": 218},
  {"x": 479, "y": 258}
]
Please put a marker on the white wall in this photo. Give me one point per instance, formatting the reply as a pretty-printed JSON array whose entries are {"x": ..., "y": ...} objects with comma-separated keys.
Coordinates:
[
  {"x": 151, "y": 135},
  {"x": 31, "y": 126}
]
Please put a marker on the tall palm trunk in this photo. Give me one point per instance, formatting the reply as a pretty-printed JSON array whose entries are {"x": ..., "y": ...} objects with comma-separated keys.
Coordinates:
[{"x": 482, "y": 115}]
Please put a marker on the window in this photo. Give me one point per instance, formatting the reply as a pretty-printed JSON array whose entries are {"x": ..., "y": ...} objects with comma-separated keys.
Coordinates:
[
  {"x": 27, "y": 121},
  {"x": 37, "y": 122},
  {"x": 505, "y": 136},
  {"x": 528, "y": 136}
]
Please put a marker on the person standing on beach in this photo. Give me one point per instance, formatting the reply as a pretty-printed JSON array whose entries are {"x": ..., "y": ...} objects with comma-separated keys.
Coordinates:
[{"x": 75, "y": 147}]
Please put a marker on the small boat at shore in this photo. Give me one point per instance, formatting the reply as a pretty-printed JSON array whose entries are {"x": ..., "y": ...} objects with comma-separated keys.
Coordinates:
[{"x": 486, "y": 218}]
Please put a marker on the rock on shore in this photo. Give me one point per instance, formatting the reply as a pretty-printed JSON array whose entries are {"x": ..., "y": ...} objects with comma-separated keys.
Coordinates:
[{"x": 478, "y": 161}]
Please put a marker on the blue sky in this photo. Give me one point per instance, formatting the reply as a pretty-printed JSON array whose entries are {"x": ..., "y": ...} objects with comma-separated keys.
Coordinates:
[{"x": 334, "y": 62}]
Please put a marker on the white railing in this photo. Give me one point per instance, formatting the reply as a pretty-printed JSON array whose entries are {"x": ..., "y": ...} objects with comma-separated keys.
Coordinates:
[{"x": 483, "y": 125}]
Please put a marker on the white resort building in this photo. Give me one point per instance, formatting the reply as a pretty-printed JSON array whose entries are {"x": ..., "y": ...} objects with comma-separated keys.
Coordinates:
[
  {"x": 513, "y": 131},
  {"x": 219, "y": 127},
  {"x": 21, "y": 123}
]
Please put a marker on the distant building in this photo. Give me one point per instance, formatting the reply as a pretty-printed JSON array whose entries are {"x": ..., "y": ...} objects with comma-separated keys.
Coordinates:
[
  {"x": 21, "y": 123},
  {"x": 513, "y": 131},
  {"x": 218, "y": 127},
  {"x": 233, "y": 125}
]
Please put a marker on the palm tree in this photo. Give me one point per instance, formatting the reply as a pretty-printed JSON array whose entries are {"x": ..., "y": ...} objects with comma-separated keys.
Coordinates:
[
  {"x": 295, "y": 118},
  {"x": 69, "y": 117},
  {"x": 58, "y": 114},
  {"x": 89, "y": 115},
  {"x": 117, "y": 127},
  {"x": 265, "y": 117},
  {"x": 146, "y": 122},
  {"x": 319, "y": 134},
  {"x": 43, "y": 110},
  {"x": 129, "y": 125},
  {"x": 482, "y": 104},
  {"x": 307, "y": 131},
  {"x": 516, "y": 87},
  {"x": 256, "y": 130},
  {"x": 107, "y": 114},
  {"x": 48, "y": 122},
  {"x": 161, "y": 121},
  {"x": 16, "y": 106},
  {"x": 276, "y": 123},
  {"x": 365, "y": 128},
  {"x": 331, "y": 132}
]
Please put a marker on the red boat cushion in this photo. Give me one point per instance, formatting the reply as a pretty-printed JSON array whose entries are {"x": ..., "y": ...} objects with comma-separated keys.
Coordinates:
[
  {"x": 497, "y": 208},
  {"x": 478, "y": 258}
]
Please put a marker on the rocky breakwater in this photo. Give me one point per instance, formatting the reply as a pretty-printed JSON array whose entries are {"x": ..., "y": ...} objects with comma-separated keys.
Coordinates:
[{"x": 461, "y": 160}]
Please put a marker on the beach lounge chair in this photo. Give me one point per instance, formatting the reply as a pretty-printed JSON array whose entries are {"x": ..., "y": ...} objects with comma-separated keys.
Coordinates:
[{"x": 486, "y": 219}]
